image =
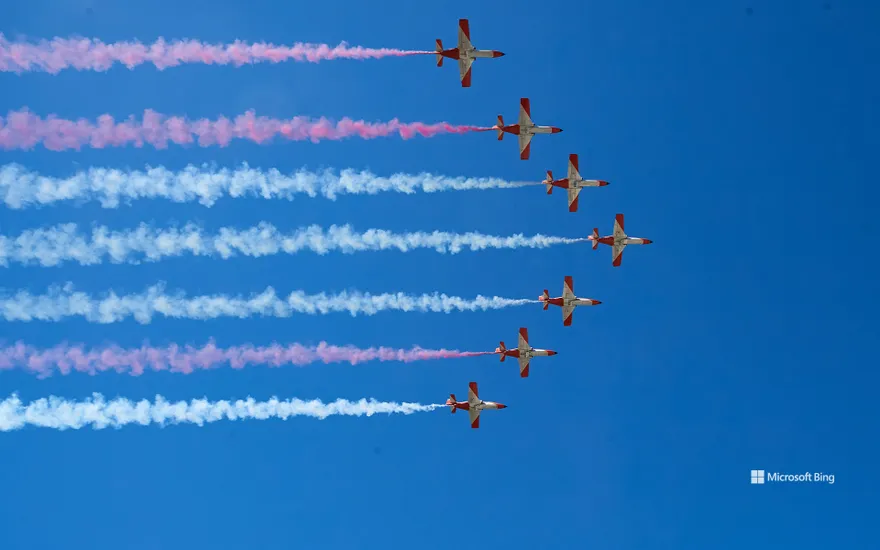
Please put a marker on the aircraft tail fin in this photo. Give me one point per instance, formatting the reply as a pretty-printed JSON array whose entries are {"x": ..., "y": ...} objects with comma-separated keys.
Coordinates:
[
  {"x": 439, "y": 49},
  {"x": 595, "y": 238},
  {"x": 501, "y": 349},
  {"x": 500, "y": 126},
  {"x": 451, "y": 402},
  {"x": 546, "y": 299},
  {"x": 547, "y": 182}
]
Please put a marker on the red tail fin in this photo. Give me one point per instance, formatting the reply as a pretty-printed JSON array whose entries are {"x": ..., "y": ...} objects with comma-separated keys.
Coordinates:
[
  {"x": 451, "y": 402},
  {"x": 500, "y": 126},
  {"x": 546, "y": 298},
  {"x": 501, "y": 349},
  {"x": 438, "y": 50},
  {"x": 547, "y": 182},
  {"x": 595, "y": 238}
]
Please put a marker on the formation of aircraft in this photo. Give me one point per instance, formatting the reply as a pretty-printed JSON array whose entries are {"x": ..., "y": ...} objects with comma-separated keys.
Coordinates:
[
  {"x": 573, "y": 183},
  {"x": 465, "y": 53},
  {"x": 525, "y": 129},
  {"x": 474, "y": 405},
  {"x": 617, "y": 240},
  {"x": 568, "y": 301}
]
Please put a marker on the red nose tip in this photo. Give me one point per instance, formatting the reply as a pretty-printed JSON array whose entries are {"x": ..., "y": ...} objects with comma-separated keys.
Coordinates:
[
  {"x": 556, "y": 130},
  {"x": 647, "y": 241},
  {"x": 500, "y": 406},
  {"x": 496, "y": 53},
  {"x": 596, "y": 302},
  {"x": 550, "y": 353},
  {"x": 602, "y": 183}
]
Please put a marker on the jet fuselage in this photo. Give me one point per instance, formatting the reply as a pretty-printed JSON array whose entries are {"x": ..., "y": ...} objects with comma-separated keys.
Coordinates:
[
  {"x": 455, "y": 53},
  {"x": 609, "y": 240}
]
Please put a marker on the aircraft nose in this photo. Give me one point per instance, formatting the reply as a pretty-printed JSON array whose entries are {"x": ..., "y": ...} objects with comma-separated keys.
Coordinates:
[
  {"x": 496, "y": 53},
  {"x": 647, "y": 241},
  {"x": 602, "y": 183},
  {"x": 556, "y": 130},
  {"x": 596, "y": 302},
  {"x": 500, "y": 406},
  {"x": 551, "y": 353}
]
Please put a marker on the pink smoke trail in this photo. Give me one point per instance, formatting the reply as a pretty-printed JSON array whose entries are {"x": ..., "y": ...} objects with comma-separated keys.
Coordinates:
[
  {"x": 23, "y": 130},
  {"x": 186, "y": 359},
  {"x": 88, "y": 54}
]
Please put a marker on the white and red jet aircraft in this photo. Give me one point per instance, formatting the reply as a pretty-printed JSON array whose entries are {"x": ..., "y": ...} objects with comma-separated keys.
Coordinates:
[
  {"x": 617, "y": 241},
  {"x": 568, "y": 301},
  {"x": 523, "y": 352},
  {"x": 525, "y": 129},
  {"x": 574, "y": 183},
  {"x": 474, "y": 405},
  {"x": 465, "y": 53}
]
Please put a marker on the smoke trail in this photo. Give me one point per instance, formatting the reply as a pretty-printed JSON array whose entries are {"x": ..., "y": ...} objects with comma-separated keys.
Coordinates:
[
  {"x": 55, "y": 245},
  {"x": 186, "y": 359},
  {"x": 20, "y": 188},
  {"x": 85, "y": 54},
  {"x": 63, "y": 414},
  {"x": 62, "y": 302},
  {"x": 23, "y": 130}
]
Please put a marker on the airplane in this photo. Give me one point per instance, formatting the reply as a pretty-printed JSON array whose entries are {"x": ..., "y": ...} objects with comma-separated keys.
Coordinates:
[
  {"x": 617, "y": 241},
  {"x": 573, "y": 183},
  {"x": 568, "y": 301},
  {"x": 465, "y": 53},
  {"x": 525, "y": 129},
  {"x": 523, "y": 352},
  {"x": 474, "y": 405}
]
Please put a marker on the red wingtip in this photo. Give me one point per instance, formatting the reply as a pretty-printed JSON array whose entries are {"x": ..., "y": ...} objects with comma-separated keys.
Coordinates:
[
  {"x": 496, "y": 53},
  {"x": 556, "y": 130}
]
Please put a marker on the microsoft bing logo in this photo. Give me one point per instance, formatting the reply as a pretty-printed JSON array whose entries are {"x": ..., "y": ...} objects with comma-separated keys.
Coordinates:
[{"x": 760, "y": 477}]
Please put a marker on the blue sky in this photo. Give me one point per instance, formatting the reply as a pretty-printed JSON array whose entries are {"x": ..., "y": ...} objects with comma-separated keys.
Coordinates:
[{"x": 739, "y": 140}]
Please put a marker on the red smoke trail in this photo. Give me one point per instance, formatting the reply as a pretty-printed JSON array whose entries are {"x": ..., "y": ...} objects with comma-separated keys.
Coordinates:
[
  {"x": 87, "y": 54},
  {"x": 23, "y": 130},
  {"x": 186, "y": 359}
]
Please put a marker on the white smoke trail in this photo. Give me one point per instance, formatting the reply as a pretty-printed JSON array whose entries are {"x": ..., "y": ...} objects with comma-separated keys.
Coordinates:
[
  {"x": 21, "y": 188},
  {"x": 62, "y": 302},
  {"x": 55, "y": 245},
  {"x": 64, "y": 414}
]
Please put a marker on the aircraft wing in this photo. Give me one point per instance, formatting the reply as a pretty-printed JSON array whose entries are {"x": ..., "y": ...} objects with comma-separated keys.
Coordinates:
[
  {"x": 568, "y": 287},
  {"x": 567, "y": 310},
  {"x": 617, "y": 254},
  {"x": 523, "y": 343},
  {"x": 525, "y": 147},
  {"x": 573, "y": 193},
  {"x": 464, "y": 70},
  {"x": 618, "y": 227},
  {"x": 473, "y": 395},
  {"x": 475, "y": 417},
  {"x": 524, "y": 366},
  {"x": 525, "y": 113},
  {"x": 464, "y": 36},
  {"x": 574, "y": 173}
]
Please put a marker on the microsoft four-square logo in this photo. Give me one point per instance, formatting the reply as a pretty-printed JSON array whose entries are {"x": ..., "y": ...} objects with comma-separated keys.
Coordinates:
[{"x": 757, "y": 476}]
